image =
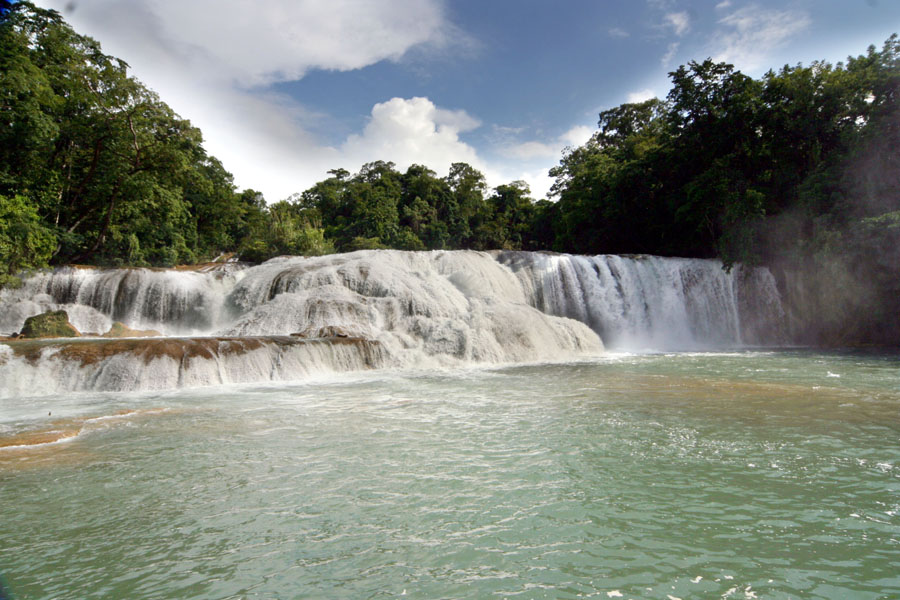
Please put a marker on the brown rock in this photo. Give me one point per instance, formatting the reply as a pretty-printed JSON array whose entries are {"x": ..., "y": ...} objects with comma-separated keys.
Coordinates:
[
  {"x": 326, "y": 332},
  {"x": 120, "y": 330}
]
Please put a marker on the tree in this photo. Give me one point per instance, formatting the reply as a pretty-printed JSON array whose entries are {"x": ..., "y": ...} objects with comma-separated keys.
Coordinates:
[
  {"x": 507, "y": 219},
  {"x": 25, "y": 243},
  {"x": 288, "y": 228},
  {"x": 466, "y": 205},
  {"x": 111, "y": 168}
]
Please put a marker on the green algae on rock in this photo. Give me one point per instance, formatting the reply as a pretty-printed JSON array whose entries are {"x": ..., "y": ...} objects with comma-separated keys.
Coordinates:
[
  {"x": 51, "y": 324},
  {"x": 120, "y": 330}
]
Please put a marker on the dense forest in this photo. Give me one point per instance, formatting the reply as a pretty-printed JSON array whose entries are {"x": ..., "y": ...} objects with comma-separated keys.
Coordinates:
[{"x": 798, "y": 170}]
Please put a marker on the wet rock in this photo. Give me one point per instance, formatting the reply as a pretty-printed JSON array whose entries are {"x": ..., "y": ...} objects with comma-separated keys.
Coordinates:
[
  {"x": 328, "y": 331},
  {"x": 120, "y": 330},
  {"x": 51, "y": 324}
]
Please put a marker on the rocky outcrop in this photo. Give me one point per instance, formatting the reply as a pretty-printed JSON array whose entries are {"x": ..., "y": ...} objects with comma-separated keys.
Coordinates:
[
  {"x": 328, "y": 331},
  {"x": 51, "y": 324},
  {"x": 120, "y": 330}
]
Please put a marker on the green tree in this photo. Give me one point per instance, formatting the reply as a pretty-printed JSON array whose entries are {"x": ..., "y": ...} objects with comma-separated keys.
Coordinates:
[
  {"x": 466, "y": 204},
  {"x": 111, "y": 168},
  {"x": 507, "y": 219},
  {"x": 25, "y": 243}
]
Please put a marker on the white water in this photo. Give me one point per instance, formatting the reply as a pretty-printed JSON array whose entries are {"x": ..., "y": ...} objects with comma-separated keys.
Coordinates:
[
  {"x": 421, "y": 308},
  {"x": 224, "y": 362},
  {"x": 650, "y": 302},
  {"x": 172, "y": 302}
]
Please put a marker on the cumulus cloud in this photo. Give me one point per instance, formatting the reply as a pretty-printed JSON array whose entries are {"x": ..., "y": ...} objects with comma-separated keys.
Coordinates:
[
  {"x": 216, "y": 62},
  {"x": 748, "y": 35},
  {"x": 530, "y": 160},
  {"x": 256, "y": 43},
  {"x": 551, "y": 149},
  {"x": 538, "y": 180},
  {"x": 408, "y": 131},
  {"x": 577, "y": 135}
]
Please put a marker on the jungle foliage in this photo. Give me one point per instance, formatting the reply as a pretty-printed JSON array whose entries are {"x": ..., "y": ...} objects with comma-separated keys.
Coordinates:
[
  {"x": 94, "y": 167},
  {"x": 739, "y": 168}
]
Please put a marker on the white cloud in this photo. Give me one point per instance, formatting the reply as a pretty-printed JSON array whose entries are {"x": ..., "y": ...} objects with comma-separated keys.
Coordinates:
[
  {"x": 256, "y": 43},
  {"x": 750, "y": 34},
  {"x": 552, "y": 149},
  {"x": 723, "y": 5},
  {"x": 670, "y": 54},
  {"x": 408, "y": 131},
  {"x": 578, "y": 135},
  {"x": 538, "y": 180},
  {"x": 618, "y": 33},
  {"x": 214, "y": 63},
  {"x": 503, "y": 132},
  {"x": 680, "y": 22},
  {"x": 530, "y": 150},
  {"x": 532, "y": 159},
  {"x": 640, "y": 96}
]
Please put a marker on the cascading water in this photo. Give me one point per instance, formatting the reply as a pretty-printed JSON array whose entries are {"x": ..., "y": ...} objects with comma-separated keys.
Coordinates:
[
  {"x": 50, "y": 368},
  {"x": 169, "y": 301},
  {"x": 650, "y": 302},
  {"x": 422, "y": 306},
  {"x": 418, "y": 308}
]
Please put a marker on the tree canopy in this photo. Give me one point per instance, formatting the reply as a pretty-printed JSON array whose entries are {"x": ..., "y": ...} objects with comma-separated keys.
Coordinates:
[
  {"x": 114, "y": 175},
  {"x": 734, "y": 167}
]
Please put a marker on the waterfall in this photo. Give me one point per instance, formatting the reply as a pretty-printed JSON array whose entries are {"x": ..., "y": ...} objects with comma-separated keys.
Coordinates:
[
  {"x": 420, "y": 309},
  {"x": 45, "y": 368},
  {"x": 424, "y": 307},
  {"x": 170, "y": 301},
  {"x": 650, "y": 302}
]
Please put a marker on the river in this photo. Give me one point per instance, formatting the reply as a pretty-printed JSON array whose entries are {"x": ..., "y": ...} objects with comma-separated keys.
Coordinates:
[{"x": 748, "y": 474}]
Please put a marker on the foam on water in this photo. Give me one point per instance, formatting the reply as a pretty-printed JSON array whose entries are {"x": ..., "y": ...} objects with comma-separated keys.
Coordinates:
[
  {"x": 444, "y": 306},
  {"x": 155, "y": 364}
]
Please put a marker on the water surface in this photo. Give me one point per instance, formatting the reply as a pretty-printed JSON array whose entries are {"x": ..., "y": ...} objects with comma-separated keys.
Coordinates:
[{"x": 728, "y": 475}]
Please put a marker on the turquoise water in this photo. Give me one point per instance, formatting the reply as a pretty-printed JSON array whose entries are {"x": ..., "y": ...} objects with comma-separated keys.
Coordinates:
[{"x": 744, "y": 475}]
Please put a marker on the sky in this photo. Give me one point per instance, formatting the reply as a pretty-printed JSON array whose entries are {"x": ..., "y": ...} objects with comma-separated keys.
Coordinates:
[{"x": 286, "y": 90}]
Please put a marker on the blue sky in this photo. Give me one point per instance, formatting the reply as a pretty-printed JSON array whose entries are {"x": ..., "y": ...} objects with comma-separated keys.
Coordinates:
[{"x": 285, "y": 90}]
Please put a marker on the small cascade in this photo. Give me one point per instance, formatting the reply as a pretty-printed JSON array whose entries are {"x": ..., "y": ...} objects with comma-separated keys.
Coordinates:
[
  {"x": 645, "y": 302},
  {"x": 170, "y": 301},
  {"x": 45, "y": 368}
]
